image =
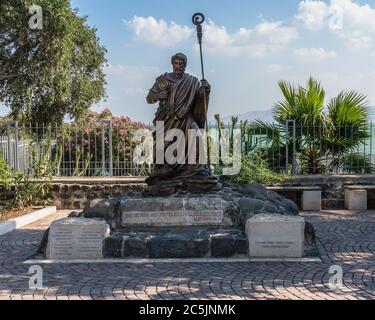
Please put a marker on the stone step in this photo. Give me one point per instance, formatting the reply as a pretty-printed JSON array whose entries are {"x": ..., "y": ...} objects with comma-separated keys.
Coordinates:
[{"x": 176, "y": 243}]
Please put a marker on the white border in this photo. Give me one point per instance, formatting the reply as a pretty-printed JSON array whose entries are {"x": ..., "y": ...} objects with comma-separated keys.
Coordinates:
[
  {"x": 13, "y": 224},
  {"x": 198, "y": 260}
]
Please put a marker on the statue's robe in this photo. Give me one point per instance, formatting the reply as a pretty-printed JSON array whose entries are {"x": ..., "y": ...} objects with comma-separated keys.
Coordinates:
[{"x": 185, "y": 109}]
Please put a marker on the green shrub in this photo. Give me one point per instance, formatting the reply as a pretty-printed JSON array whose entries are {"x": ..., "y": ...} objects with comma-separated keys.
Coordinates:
[
  {"x": 28, "y": 190},
  {"x": 254, "y": 169},
  {"x": 33, "y": 189},
  {"x": 5, "y": 174}
]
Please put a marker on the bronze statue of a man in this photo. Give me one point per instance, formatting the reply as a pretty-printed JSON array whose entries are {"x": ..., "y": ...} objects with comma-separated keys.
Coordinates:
[{"x": 183, "y": 103}]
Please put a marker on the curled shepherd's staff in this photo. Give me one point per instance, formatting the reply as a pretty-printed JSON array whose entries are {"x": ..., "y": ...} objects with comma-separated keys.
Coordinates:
[{"x": 198, "y": 20}]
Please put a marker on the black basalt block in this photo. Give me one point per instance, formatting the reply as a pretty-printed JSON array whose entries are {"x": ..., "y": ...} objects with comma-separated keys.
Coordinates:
[
  {"x": 242, "y": 246},
  {"x": 223, "y": 246},
  {"x": 113, "y": 247},
  {"x": 135, "y": 247},
  {"x": 228, "y": 244},
  {"x": 178, "y": 247}
]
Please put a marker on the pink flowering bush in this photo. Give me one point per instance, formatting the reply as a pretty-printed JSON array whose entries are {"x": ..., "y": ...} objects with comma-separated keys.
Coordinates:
[{"x": 79, "y": 145}]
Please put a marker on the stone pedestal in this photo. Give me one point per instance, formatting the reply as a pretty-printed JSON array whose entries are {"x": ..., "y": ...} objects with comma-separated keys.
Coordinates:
[
  {"x": 312, "y": 200},
  {"x": 76, "y": 238},
  {"x": 275, "y": 236},
  {"x": 355, "y": 199}
]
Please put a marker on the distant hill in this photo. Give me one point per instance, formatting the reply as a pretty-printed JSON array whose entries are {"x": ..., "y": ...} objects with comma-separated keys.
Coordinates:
[{"x": 264, "y": 115}]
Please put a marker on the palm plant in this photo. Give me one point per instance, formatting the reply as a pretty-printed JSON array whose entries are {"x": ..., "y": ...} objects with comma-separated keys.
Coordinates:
[
  {"x": 322, "y": 135},
  {"x": 348, "y": 114}
]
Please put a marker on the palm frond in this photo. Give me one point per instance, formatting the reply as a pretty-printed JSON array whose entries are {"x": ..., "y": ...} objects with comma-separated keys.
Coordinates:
[
  {"x": 349, "y": 109},
  {"x": 305, "y": 105}
]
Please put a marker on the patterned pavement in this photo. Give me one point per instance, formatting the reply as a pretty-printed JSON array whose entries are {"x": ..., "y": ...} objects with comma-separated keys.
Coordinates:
[{"x": 345, "y": 239}]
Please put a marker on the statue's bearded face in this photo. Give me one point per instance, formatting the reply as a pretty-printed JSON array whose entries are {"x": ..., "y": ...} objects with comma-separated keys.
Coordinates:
[{"x": 179, "y": 67}]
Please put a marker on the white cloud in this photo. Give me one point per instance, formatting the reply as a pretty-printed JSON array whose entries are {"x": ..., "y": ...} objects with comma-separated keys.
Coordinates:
[
  {"x": 277, "y": 68},
  {"x": 159, "y": 33},
  {"x": 314, "y": 54},
  {"x": 358, "y": 42},
  {"x": 358, "y": 23},
  {"x": 266, "y": 38},
  {"x": 131, "y": 72},
  {"x": 135, "y": 92},
  {"x": 313, "y": 14},
  {"x": 276, "y": 33},
  {"x": 347, "y": 19},
  {"x": 127, "y": 89}
]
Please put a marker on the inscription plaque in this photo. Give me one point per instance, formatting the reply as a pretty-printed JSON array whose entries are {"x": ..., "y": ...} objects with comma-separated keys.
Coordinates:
[
  {"x": 75, "y": 238},
  {"x": 276, "y": 236},
  {"x": 173, "y": 218}
]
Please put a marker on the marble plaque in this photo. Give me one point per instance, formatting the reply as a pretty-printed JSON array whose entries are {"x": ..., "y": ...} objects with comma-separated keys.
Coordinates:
[
  {"x": 173, "y": 218},
  {"x": 75, "y": 238},
  {"x": 276, "y": 236}
]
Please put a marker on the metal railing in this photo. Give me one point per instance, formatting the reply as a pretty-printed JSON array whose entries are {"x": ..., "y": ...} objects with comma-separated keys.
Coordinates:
[{"x": 107, "y": 149}]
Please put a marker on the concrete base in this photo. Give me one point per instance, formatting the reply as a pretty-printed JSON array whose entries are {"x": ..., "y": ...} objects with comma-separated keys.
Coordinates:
[
  {"x": 312, "y": 200},
  {"x": 275, "y": 236},
  {"x": 355, "y": 199}
]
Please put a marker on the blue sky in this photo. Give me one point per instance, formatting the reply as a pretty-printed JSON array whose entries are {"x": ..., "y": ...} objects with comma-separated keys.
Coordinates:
[{"x": 248, "y": 47}]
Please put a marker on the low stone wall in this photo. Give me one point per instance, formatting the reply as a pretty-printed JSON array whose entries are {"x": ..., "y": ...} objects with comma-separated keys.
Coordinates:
[
  {"x": 74, "y": 193},
  {"x": 75, "y": 196}
]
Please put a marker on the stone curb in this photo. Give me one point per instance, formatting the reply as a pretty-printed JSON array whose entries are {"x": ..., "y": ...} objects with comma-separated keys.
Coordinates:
[{"x": 13, "y": 224}]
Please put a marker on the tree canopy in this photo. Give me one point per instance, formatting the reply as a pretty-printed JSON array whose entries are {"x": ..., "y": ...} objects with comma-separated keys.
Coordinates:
[{"x": 49, "y": 73}]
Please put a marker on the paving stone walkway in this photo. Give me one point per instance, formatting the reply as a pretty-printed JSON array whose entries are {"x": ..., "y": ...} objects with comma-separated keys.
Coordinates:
[{"x": 345, "y": 239}]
